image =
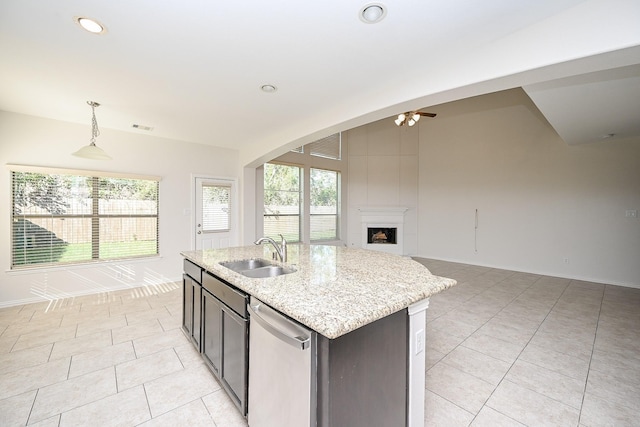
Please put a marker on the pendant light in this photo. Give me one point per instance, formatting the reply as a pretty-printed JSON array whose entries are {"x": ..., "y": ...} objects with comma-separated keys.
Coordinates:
[{"x": 92, "y": 151}]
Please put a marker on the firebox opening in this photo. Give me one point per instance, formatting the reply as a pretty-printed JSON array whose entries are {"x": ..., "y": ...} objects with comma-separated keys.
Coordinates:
[{"x": 381, "y": 235}]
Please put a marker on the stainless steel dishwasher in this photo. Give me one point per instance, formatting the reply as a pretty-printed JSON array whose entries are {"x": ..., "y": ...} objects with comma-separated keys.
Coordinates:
[{"x": 282, "y": 370}]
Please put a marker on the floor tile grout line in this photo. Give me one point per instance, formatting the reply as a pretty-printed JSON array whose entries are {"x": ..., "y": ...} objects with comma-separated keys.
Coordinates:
[
  {"x": 487, "y": 321},
  {"x": 517, "y": 357},
  {"x": 595, "y": 336},
  {"x": 33, "y": 404},
  {"x": 146, "y": 397},
  {"x": 520, "y": 354}
]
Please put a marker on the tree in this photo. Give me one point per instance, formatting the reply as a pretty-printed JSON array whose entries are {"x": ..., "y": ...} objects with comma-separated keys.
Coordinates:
[
  {"x": 47, "y": 192},
  {"x": 281, "y": 186},
  {"x": 324, "y": 187}
]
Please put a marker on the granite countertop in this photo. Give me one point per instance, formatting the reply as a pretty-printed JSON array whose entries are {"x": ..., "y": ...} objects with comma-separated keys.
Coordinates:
[{"x": 335, "y": 290}]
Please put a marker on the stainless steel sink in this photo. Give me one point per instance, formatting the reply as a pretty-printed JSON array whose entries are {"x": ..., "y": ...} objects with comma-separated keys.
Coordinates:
[
  {"x": 270, "y": 271},
  {"x": 246, "y": 264},
  {"x": 257, "y": 268}
]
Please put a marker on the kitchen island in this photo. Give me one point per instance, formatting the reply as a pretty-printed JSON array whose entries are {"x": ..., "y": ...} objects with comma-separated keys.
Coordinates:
[{"x": 368, "y": 310}]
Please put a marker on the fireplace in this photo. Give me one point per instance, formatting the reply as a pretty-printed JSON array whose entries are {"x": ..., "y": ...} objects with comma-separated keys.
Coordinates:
[
  {"x": 382, "y": 235},
  {"x": 382, "y": 228}
]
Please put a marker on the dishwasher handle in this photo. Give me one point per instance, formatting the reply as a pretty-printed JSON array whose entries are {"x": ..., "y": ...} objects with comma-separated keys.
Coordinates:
[{"x": 261, "y": 314}]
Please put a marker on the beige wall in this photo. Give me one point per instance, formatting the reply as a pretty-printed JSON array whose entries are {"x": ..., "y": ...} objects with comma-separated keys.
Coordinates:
[
  {"x": 383, "y": 172},
  {"x": 543, "y": 206},
  {"x": 41, "y": 142}
]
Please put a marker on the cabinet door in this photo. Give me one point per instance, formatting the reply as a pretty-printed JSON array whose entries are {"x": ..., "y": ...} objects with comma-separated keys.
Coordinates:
[
  {"x": 197, "y": 313},
  {"x": 187, "y": 304},
  {"x": 212, "y": 332},
  {"x": 234, "y": 356}
]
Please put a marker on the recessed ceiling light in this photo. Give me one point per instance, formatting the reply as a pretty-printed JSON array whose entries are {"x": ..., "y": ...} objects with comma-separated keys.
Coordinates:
[
  {"x": 90, "y": 25},
  {"x": 268, "y": 88},
  {"x": 372, "y": 13}
]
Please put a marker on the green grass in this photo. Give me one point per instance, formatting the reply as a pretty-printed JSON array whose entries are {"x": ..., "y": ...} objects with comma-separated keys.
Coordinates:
[{"x": 80, "y": 252}]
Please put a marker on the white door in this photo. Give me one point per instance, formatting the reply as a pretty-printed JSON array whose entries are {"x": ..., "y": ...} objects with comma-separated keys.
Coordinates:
[{"x": 215, "y": 213}]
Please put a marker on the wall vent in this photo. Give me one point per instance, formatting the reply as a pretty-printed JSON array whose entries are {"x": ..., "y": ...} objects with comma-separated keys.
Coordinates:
[{"x": 142, "y": 127}]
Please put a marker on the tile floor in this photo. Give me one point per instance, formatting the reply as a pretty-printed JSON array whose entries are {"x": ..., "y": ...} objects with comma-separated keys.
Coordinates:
[
  {"x": 503, "y": 348},
  {"x": 515, "y": 349}
]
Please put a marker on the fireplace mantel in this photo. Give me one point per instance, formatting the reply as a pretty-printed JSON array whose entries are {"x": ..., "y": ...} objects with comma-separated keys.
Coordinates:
[
  {"x": 383, "y": 217},
  {"x": 382, "y": 210}
]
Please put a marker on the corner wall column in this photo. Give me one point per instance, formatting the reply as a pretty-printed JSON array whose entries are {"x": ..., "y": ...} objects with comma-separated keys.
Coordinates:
[{"x": 417, "y": 362}]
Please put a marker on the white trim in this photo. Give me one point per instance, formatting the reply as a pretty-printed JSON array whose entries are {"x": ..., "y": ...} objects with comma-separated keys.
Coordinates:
[
  {"x": 418, "y": 306},
  {"x": 82, "y": 172},
  {"x": 417, "y": 360},
  {"x": 382, "y": 210},
  {"x": 519, "y": 269},
  {"x": 81, "y": 266},
  {"x": 133, "y": 287}
]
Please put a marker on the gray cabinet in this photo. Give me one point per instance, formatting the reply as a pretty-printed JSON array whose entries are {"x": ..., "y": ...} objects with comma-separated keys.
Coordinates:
[
  {"x": 191, "y": 301},
  {"x": 362, "y": 376},
  {"x": 225, "y": 337}
]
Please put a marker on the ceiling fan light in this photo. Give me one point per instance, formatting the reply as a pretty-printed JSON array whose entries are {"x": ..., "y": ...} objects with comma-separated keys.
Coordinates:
[
  {"x": 411, "y": 122},
  {"x": 415, "y": 117},
  {"x": 401, "y": 117}
]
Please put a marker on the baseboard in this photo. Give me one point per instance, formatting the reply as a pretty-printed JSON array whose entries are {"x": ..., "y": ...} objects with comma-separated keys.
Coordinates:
[
  {"x": 538, "y": 272},
  {"x": 142, "y": 289}
]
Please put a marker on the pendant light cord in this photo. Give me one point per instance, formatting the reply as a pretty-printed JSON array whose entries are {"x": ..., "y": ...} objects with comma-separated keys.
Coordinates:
[{"x": 95, "y": 132}]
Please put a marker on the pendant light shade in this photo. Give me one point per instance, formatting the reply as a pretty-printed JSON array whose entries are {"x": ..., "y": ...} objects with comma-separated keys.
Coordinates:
[{"x": 92, "y": 151}]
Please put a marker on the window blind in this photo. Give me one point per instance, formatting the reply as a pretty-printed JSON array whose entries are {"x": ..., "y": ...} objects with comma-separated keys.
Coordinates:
[
  {"x": 66, "y": 217},
  {"x": 216, "y": 207},
  {"x": 329, "y": 147}
]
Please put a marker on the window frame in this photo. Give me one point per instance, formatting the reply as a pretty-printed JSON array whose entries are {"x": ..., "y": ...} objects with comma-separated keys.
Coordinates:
[
  {"x": 305, "y": 160},
  {"x": 95, "y": 216},
  {"x": 301, "y": 193},
  {"x": 337, "y": 206}
]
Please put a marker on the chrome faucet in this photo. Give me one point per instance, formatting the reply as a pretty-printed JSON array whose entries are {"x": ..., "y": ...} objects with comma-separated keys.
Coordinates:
[{"x": 281, "y": 249}]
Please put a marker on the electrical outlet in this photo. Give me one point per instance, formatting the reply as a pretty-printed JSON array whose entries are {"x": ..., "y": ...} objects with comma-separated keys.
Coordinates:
[
  {"x": 420, "y": 341},
  {"x": 631, "y": 213},
  {"x": 566, "y": 260}
]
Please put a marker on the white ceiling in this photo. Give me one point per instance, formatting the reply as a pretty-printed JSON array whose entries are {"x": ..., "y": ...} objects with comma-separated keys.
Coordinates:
[
  {"x": 592, "y": 107},
  {"x": 192, "y": 70}
]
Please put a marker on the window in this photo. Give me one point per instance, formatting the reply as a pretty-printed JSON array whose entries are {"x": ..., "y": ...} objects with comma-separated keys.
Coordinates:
[
  {"x": 302, "y": 193},
  {"x": 323, "y": 212},
  {"x": 282, "y": 198},
  {"x": 63, "y": 217},
  {"x": 216, "y": 207},
  {"x": 329, "y": 147}
]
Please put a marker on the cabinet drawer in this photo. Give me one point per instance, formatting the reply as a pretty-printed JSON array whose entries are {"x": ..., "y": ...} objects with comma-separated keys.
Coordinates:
[
  {"x": 233, "y": 298},
  {"x": 193, "y": 270}
]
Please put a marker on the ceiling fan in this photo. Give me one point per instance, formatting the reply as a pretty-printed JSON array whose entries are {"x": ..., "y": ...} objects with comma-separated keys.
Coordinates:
[{"x": 411, "y": 118}]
